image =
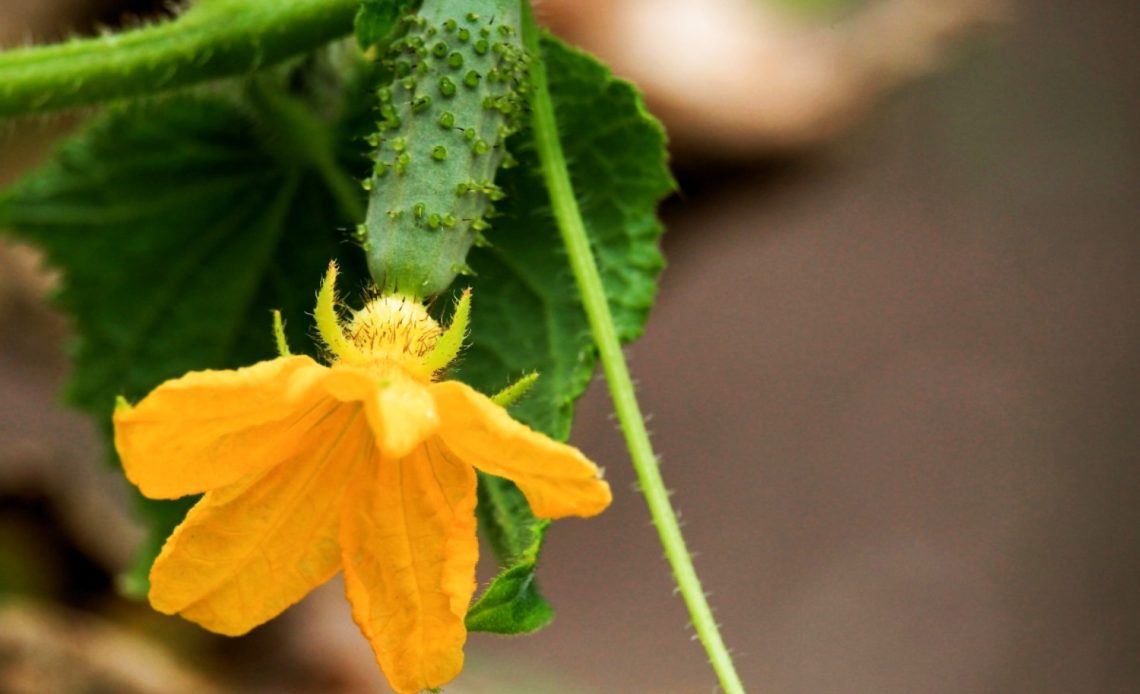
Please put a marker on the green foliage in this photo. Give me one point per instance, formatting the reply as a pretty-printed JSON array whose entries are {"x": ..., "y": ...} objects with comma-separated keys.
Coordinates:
[
  {"x": 180, "y": 224},
  {"x": 178, "y": 229}
]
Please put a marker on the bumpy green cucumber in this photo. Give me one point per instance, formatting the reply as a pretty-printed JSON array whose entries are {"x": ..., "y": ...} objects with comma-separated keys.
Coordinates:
[{"x": 459, "y": 91}]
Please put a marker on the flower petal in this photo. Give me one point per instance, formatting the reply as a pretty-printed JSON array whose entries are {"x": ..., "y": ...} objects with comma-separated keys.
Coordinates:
[
  {"x": 399, "y": 408},
  {"x": 556, "y": 479},
  {"x": 209, "y": 429},
  {"x": 248, "y": 551},
  {"x": 408, "y": 536}
]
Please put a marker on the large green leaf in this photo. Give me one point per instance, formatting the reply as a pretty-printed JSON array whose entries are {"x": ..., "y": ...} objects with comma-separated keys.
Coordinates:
[
  {"x": 527, "y": 315},
  {"x": 178, "y": 226}
]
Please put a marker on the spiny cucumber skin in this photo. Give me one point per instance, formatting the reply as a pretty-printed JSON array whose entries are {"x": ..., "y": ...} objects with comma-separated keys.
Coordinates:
[{"x": 459, "y": 91}]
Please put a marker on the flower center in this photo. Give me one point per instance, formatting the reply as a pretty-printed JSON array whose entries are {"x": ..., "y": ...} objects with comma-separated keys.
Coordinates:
[{"x": 395, "y": 329}]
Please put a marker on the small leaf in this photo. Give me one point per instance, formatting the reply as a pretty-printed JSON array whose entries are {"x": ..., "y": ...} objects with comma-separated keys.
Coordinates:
[{"x": 512, "y": 603}]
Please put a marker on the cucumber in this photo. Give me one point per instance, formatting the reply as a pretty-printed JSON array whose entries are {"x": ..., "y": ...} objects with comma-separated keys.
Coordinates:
[{"x": 459, "y": 90}]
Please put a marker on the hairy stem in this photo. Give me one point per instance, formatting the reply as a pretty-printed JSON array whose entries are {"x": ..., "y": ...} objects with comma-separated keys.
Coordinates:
[
  {"x": 212, "y": 39},
  {"x": 584, "y": 266}
]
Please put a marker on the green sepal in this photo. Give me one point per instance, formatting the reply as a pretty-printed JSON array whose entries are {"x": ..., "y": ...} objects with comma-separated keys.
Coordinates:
[{"x": 515, "y": 391}]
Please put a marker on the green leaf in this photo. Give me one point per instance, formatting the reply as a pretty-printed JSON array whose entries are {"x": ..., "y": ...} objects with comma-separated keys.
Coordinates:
[
  {"x": 526, "y": 314},
  {"x": 178, "y": 226}
]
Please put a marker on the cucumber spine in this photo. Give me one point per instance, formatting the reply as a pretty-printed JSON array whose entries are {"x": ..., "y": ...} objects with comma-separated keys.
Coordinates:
[{"x": 460, "y": 79}]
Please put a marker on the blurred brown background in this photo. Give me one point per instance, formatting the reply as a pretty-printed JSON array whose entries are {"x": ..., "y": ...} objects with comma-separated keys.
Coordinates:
[{"x": 893, "y": 376}]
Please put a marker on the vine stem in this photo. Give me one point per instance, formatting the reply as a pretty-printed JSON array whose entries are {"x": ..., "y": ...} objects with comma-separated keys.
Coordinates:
[
  {"x": 213, "y": 39},
  {"x": 585, "y": 268}
]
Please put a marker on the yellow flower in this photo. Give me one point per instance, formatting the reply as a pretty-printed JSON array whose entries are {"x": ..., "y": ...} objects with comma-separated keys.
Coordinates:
[{"x": 366, "y": 466}]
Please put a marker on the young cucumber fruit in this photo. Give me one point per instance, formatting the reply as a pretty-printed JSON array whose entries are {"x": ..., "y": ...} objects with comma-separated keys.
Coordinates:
[{"x": 460, "y": 79}]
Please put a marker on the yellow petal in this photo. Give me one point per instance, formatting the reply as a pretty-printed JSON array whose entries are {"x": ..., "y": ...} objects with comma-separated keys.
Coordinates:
[
  {"x": 209, "y": 429},
  {"x": 556, "y": 479},
  {"x": 408, "y": 537},
  {"x": 250, "y": 550},
  {"x": 400, "y": 409}
]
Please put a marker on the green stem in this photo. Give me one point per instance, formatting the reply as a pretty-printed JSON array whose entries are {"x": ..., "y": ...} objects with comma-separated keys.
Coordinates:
[
  {"x": 301, "y": 139},
  {"x": 344, "y": 188},
  {"x": 584, "y": 266},
  {"x": 213, "y": 39}
]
